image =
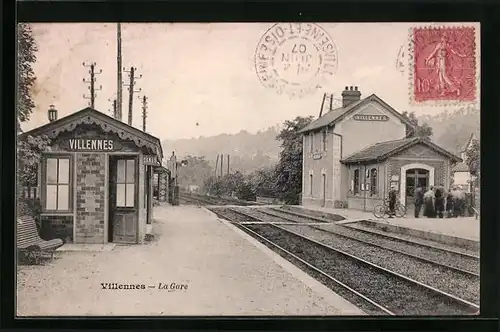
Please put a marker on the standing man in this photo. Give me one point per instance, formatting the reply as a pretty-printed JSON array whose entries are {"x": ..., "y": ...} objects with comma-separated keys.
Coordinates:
[
  {"x": 392, "y": 201},
  {"x": 419, "y": 200},
  {"x": 439, "y": 203},
  {"x": 429, "y": 210},
  {"x": 449, "y": 204}
]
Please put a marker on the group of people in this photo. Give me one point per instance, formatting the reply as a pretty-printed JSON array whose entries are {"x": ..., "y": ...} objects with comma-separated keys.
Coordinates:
[{"x": 436, "y": 201}]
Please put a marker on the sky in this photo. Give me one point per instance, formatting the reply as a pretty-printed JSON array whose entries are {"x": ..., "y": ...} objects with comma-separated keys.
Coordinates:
[{"x": 200, "y": 78}]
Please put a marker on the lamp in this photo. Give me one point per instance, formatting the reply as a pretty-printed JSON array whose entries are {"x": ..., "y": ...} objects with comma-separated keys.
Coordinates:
[{"x": 52, "y": 113}]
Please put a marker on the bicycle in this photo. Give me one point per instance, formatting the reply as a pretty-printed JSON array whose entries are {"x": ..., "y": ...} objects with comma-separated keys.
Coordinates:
[{"x": 383, "y": 211}]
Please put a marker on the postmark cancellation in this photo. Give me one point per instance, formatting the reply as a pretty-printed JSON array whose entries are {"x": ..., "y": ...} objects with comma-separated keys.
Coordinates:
[
  {"x": 295, "y": 58},
  {"x": 442, "y": 66}
]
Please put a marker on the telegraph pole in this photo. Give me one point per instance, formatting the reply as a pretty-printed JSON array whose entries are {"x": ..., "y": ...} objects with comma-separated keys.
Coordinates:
[
  {"x": 131, "y": 92},
  {"x": 227, "y": 164},
  {"x": 221, "y": 165},
  {"x": 114, "y": 110},
  {"x": 91, "y": 82},
  {"x": 216, "y": 166},
  {"x": 144, "y": 112},
  {"x": 322, "y": 105},
  {"x": 119, "y": 83}
]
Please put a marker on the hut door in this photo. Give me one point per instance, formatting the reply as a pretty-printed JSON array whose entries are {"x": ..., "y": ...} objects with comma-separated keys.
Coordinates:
[
  {"x": 415, "y": 177},
  {"x": 123, "y": 199}
]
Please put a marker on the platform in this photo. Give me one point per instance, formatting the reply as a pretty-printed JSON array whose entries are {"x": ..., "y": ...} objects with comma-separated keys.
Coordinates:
[
  {"x": 464, "y": 227},
  {"x": 86, "y": 247},
  {"x": 197, "y": 265}
]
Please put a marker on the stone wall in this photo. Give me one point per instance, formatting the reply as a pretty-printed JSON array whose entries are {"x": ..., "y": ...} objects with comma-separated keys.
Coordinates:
[
  {"x": 60, "y": 227},
  {"x": 90, "y": 196}
]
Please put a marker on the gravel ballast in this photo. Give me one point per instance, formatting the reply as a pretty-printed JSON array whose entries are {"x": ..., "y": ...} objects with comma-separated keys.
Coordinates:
[
  {"x": 231, "y": 215},
  {"x": 268, "y": 218},
  {"x": 438, "y": 255},
  {"x": 396, "y": 294},
  {"x": 442, "y": 278}
]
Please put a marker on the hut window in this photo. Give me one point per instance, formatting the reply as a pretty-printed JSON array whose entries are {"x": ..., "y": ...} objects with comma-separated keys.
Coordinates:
[
  {"x": 125, "y": 183},
  {"x": 57, "y": 184},
  {"x": 373, "y": 181},
  {"x": 356, "y": 181}
]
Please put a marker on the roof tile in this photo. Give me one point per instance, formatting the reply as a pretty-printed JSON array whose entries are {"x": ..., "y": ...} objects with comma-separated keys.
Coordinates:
[
  {"x": 384, "y": 150},
  {"x": 378, "y": 150}
]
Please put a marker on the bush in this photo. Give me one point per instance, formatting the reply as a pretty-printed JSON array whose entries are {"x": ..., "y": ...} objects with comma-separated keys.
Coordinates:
[
  {"x": 30, "y": 207},
  {"x": 246, "y": 193}
]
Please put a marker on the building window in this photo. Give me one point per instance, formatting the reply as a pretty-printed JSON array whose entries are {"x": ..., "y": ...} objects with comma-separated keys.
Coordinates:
[
  {"x": 356, "y": 182},
  {"x": 311, "y": 185},
  {"x": 57, "y": 184},
  {"x": 373, "y": 181},
  {"x": 324, "y": 140},
  {"x": 125, "y": 183},
  {"x": 311, "y": 142}
]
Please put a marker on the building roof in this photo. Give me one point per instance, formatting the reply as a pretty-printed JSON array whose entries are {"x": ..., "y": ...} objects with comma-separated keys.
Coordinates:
[
  {"x": 338, "y": 114},
  {"x": 384, "y": 150},
  {"x": 161, "y": 169},
  {"x": 460, "y": 167},
  {"x": 467, "y": 143},
  {"x": 106, "y": 123}
]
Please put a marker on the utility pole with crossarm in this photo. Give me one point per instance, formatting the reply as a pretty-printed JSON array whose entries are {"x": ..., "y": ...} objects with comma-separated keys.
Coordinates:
[
  {"x": 131, "y": 91},
  {"x": 91, "y": 83}
]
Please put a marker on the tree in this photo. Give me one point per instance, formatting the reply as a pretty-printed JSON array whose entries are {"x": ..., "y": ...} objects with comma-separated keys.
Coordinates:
[
  {"x": 29, "y": 155},
  {"x": 195, "y": 171},
  {"x": 263, "y": 181},
  {"x": 423, "y": 130},
  {"x": 289, "y": 167},
  {"x": 26, "y": 76},
  {"x": 473, "y": 157}
]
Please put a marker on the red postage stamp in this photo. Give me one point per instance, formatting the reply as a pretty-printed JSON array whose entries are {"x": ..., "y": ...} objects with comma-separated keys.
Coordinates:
[{"x": 444, "y": 64}]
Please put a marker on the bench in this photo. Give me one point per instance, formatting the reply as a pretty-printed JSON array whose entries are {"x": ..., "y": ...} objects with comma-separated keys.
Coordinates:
[{"x": 30, "y": 243}]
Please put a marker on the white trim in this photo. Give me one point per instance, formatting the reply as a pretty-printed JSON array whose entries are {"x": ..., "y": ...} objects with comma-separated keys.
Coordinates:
[
  {"x": 378, "y": 107},
  {"x": 402, "y": 191},
  {"x": 417, "y": 158}
]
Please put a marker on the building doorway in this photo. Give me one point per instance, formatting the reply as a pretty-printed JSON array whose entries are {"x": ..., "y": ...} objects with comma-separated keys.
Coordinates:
[
  {"x": 323, "y": 201},
  {"x": 415, "y": 177},
  {"x": 123, "y": 202}
]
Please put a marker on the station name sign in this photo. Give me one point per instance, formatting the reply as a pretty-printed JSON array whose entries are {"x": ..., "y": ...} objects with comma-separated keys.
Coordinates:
[
  {"x": 151, "y": 160},
  {"x": 362, "y": 117},
  {"x": 76, "y": 144}
]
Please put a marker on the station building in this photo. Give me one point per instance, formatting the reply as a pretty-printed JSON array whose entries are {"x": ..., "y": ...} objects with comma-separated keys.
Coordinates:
[
  {"x": 352, "y": 156},
  {"x": 95, "y": 182},
  {"x": 461, "y": 174}
]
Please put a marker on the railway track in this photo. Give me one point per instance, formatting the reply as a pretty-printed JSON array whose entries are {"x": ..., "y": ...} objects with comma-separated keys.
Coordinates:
[
  {"x": 206, "y": 200},
  {"x": 453, "y": 258},
  {"x": 374, "y": 288}
]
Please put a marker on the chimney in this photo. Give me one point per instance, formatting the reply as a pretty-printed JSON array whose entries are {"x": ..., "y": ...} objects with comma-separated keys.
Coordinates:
[
  {"x": 52, "y": 113},
  {"x": 350, "y": 95}
]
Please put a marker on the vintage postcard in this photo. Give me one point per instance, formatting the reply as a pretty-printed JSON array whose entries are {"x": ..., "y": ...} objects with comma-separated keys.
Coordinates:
[{"x": 221, "y": 169}]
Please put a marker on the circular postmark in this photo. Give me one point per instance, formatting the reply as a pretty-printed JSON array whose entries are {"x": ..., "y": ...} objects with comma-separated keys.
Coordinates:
[{"x": 295, "y": 58}]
